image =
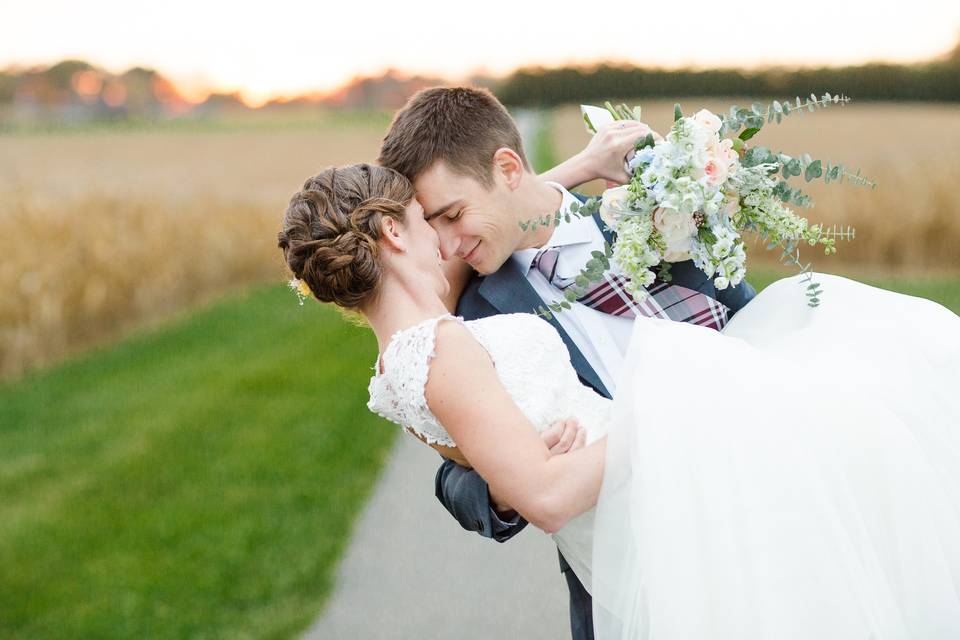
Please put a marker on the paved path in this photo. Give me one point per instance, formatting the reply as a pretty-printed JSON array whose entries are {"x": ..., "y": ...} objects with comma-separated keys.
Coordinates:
[{"x": 412, "y": 572}]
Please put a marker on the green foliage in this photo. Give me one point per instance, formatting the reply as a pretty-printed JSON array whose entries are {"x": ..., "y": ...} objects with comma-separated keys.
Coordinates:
[
  {"x": 591, "y": 85},
  {"x": 759, "y": 114},
  {"x": 584, "y": 210},
  {"x": 197, "y": 481},
  {"x": 806, "y": 166}
]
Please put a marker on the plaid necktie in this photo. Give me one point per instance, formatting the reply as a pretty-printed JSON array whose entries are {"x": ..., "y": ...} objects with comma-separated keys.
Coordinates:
[{"x": 665, "y": 300}]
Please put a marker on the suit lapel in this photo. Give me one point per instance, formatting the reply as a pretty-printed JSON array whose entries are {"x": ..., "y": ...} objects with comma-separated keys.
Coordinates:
[
  {"x": 604, "y": 229},
  {"x": 509, "y": 291}
]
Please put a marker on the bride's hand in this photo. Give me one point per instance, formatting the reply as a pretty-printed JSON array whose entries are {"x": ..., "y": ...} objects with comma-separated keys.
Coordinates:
[
  {"x": 563, "y": 436},
  {"x": 607, "y": 150},
  {"x": 603, "y": 157}
]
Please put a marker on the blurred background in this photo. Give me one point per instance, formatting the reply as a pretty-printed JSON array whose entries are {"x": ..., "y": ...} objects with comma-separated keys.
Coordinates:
[{"x": 184, "y": 450}]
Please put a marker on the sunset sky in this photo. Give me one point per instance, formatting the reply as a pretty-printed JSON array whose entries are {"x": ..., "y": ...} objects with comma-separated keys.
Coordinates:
[{"x": 287, "y": 47}]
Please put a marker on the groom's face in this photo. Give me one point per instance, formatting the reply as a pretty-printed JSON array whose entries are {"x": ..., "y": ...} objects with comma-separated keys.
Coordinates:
[{"x": 474, "y": 222}]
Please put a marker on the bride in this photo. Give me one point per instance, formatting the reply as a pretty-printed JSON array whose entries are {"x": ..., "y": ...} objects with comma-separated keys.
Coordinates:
[{"x": 827, "y": 507}]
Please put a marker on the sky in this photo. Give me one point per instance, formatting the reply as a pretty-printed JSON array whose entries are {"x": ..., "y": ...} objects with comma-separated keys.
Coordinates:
[{"x": 290, "y": 47}]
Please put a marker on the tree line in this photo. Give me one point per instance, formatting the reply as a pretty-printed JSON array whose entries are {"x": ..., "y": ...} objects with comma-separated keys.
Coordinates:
[{"x": 936, "y": 81}]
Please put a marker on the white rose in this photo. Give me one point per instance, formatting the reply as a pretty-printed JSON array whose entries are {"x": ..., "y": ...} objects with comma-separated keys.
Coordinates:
[
  {"x": 678, "y": 230},
  {"x": 721, "y": 283},
  {"x": 612, "y": 202},
  {"x": 708, "y": 120}
]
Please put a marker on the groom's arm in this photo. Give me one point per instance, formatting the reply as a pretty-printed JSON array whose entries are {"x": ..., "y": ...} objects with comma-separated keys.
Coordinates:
[{"x": 467, "y": 497}]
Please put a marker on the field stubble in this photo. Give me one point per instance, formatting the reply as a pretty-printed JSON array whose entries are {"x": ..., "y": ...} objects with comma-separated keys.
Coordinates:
[
  {"x": 910, "y": 221},
  {"x": 104, "y": 232}
]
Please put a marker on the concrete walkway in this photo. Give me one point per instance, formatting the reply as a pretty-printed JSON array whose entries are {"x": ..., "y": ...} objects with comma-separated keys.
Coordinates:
[{"x": 412, "y": 572}]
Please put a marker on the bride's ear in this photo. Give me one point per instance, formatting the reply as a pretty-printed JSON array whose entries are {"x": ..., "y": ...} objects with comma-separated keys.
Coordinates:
[{"x": 391, "y": 234}]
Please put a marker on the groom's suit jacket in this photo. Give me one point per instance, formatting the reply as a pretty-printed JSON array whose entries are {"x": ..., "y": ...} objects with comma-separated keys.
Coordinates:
[{"x": 462, "y": 491}]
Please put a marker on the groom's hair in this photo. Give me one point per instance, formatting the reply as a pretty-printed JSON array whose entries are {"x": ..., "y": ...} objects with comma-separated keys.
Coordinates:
[{"x": 462, "y": 126}]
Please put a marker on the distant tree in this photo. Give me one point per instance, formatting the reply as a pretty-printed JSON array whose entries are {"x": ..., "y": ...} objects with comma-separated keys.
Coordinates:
[
  {"x": 220, "y": 102},
  {"x": 954, "y": 56},
  {"x": 390, "y": 90}
]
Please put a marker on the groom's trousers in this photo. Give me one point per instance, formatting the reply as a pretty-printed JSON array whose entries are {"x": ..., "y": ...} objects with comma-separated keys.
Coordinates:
[{"x": 466, "y": 496}]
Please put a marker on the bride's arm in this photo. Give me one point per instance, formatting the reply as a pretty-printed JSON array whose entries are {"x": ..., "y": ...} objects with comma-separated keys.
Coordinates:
[
  {"x": 466, "y": 396},
  {"x": 603, "y": 157}
]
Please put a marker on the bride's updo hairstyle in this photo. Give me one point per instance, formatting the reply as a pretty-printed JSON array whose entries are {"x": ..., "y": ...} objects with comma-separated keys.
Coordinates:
[{"x": 332, "y": 227}]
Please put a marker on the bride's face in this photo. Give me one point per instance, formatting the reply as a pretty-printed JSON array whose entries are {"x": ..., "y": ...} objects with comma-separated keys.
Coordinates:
[{"x": 423, "y": 248}]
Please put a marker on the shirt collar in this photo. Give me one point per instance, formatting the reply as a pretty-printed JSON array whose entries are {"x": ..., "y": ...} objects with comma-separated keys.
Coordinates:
[{"x": 577, "y": 231}]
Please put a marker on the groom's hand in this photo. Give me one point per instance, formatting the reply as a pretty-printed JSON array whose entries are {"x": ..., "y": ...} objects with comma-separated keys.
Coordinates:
[{"x": 561, "y": 437}]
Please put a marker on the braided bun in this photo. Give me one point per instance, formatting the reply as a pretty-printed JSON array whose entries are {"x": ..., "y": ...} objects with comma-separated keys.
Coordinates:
[{"x": 332, "y": 227}]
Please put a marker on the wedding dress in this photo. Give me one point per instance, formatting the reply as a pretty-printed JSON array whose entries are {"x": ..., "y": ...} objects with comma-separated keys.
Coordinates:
[{"x": 825, "y": 504}]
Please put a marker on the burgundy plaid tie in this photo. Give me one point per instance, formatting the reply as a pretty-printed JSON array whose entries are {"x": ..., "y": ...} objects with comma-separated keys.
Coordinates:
[{"x": 669, "y": 301}]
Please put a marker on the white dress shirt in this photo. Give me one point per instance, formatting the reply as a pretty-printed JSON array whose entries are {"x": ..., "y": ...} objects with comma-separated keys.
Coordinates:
[{"x": 601, "y": 337}]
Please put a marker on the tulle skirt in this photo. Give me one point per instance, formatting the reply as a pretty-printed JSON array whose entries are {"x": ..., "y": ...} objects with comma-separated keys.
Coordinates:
[{"x": 796, "y": 477}]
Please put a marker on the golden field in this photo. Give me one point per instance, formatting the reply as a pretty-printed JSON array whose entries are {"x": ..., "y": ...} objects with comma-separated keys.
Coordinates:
[
  {"x": 108, "y": 230},
  {"x": 101, "y": 232},
  {"x": 910, "y": 221}
]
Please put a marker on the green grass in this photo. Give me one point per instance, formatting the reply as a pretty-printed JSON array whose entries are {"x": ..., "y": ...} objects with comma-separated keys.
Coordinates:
[
  {"x": 939, "y": 288},
  {"x": 198, "y": 481},
  {"x": 201, "y": 480}
]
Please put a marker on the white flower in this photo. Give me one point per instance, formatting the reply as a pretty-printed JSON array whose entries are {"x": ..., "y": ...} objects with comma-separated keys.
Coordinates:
[
  {"x": 708, "y": 120},
  {"x": 721, "y": 248},
  {"x": 678, "y": 231},
  {"x": 721, "y": 282},
  {"x": 612, "y": 202}
]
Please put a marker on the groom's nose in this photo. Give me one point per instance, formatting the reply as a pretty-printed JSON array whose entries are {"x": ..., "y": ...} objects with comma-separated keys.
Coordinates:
[{"x": 449, "y": 243}]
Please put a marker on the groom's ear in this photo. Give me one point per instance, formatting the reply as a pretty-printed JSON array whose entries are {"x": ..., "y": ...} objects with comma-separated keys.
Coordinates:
[{"x": 508, "y": 166}]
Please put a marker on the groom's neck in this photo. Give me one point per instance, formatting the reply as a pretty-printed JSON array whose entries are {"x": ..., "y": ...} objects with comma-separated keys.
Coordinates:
[{"x": 537, "y": 199}]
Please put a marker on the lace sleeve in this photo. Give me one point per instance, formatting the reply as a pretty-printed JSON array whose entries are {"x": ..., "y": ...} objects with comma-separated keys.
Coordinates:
[{"x": 397, "y": 394}]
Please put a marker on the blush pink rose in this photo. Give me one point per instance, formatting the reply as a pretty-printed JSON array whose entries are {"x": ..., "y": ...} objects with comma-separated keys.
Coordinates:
[{"x": 716, "y": 172}]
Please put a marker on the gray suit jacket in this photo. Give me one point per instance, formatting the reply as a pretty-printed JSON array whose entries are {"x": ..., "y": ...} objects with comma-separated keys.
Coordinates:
[{"x": 462, "y": 491}]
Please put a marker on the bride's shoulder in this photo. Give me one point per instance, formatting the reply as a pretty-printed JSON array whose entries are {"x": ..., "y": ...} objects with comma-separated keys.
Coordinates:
[{"x": 418, "y": 342}]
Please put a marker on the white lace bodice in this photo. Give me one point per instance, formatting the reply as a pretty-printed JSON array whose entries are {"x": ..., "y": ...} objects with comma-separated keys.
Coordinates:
[
  {"x": 531, "y": 361},
  {"x": 534, "y": 366}
]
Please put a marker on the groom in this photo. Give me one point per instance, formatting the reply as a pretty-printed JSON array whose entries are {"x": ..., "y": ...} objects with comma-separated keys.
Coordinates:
[{"x": 464, "y": 155}]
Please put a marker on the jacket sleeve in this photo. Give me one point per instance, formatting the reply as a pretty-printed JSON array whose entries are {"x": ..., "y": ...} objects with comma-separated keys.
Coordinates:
[
  {"x": 466, "y": 496},
  {"x": 736, "y": 298}
]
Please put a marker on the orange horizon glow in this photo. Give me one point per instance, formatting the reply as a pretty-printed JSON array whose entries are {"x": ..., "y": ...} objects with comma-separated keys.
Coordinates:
[{"x": 298, "y": 48}]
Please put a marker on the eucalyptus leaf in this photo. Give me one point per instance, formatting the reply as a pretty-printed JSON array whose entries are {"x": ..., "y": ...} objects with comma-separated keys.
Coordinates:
[{"x": 814, "y": 170}]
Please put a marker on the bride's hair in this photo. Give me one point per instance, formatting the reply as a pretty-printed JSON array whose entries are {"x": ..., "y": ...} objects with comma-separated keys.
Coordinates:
[{"x": 332, "y": 226}]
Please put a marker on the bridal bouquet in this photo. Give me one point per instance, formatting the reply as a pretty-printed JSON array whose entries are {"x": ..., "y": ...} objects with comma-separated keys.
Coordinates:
[{"x": 692, "y": 193}]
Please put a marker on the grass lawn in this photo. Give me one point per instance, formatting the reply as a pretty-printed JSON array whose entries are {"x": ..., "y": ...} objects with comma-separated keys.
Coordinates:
[
  {"x": 197, "y": 481},
  {"x": 200, "y": 480},
  {"x": 939, "y": 288}
]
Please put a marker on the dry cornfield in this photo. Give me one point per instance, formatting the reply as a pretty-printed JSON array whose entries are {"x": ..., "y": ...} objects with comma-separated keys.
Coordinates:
[
  {"x": 103, "y": 232},
  {"x": 910, "y": 221}
]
